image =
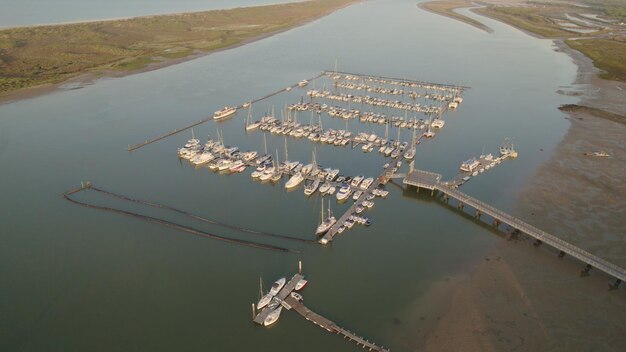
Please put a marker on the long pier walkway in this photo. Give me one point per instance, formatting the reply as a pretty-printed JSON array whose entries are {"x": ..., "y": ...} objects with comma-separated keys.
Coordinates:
[
  {"x": 431, "y": 181},
  {"x": 540, "y": 235},
  {"x": 132, "y": 147},
  {"x": 289, "y": 302},
  {"x": 331, "y": 326}
]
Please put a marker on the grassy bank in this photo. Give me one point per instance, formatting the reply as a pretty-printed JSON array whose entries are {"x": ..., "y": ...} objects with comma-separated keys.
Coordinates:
[
  {"x": 531, "y": 19},
  {"x": 446, "y": 8},
  {"x": 608, "y": 51},
  {"x": 33, "y": 56},
  {"x": 607, "y": 55}
]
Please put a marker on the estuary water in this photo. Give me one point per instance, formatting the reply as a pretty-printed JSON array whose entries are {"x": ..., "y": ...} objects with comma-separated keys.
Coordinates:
[
  {"x": 76, "y": 279},
  {"x": 38, "y": 12}
]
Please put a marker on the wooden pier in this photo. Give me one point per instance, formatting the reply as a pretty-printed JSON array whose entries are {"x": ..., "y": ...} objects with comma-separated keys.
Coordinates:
[
  {"x": 282, "y": 294},
  {"x": 132, "y": 147},
  {"x": 288, "y": 302},
  {"x": 328, "y": 236},
  {"x": 331, "y": 326},
  {"x": 540, "y": 235},
  {"x": 501, "y": 217}
]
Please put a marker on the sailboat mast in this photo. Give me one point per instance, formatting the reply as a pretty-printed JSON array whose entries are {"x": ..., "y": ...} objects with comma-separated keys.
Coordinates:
[
  {"x": 248, "y": 119},
  {"x": 286, "y": 153},
  {"x": 265, "y": 143},
  {"x": 330, "y": 212}
]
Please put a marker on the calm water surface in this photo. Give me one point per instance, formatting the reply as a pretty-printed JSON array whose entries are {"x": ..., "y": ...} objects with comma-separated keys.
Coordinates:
[
  {"x": 35, "y": 12},
  {"x": 76, "y": 279}
]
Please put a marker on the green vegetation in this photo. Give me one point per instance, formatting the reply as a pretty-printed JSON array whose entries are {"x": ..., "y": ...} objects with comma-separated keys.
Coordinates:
[
  {"x": 446, "y": 8},
  {"x": 530, "y": 19},
  {"x": 611, "y": 8},
  {"x": 608, "y": 55},
  {"x": 50, "y": 54},
  {"x": 608, "y": 51}
]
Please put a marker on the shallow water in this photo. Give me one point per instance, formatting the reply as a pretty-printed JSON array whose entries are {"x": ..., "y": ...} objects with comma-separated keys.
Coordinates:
[
  {"x": 72, "y": 276},
  {"x": 38, "y": 12}
]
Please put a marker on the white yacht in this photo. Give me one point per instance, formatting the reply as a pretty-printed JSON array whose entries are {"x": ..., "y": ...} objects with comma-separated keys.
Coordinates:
[
  {"x": 276, "y": 175},
  {"x": 265, "y": 300},
  {"x": 366, "y": 183},
  {"x": 410, "y": 154},
  {"x": 224, "y": 112},
  {"x": 332, "y": 174},
  {"x": 356, "y": 195},
  {"x": 249, "y": 156},
  {"x": 277, "y": 286},
  {"x": 469, "y": 165},
  {"x": 368, "y": 203},
  {"x": 224, "y": 164},
  {"x": 273, "y": 316},
  {"x": 325, "y": 223},
  {"x": 202, "y": 158},
  {"x": 438, "y": 123},
  {"x": 324, "y": 187},
  {"x": 356, "y": 180},
  {"x": 295, "y": 180},
  {"x": 253, "y": 125},
  {"x": 300, "y": 285},
  {"x": 237, "y": 166},
  {"x": 344, "y": 192},
  {"x": 303, "y": 83},
  {"x": 267, "y": 173},
  {"x": 311, "y": 187}
]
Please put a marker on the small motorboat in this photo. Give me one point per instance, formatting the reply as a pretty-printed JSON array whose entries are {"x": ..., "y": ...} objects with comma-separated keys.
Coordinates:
[
  {"x": 277, "y": 286},
  {"x": 300, "y": 285}
]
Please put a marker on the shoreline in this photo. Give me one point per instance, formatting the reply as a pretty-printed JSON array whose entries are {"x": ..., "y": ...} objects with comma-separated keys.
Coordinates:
[
  {"x": 460, "y": 17},
  {"x": 90, "y": 77},
  {"x": 513, "y": 299},
  {"x": 122, "y": 18}
]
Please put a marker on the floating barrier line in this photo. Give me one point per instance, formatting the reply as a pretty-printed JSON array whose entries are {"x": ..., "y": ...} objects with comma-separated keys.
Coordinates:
[
  {"x": 174, "y": 225},
  {"x": 197, "y": 217}
]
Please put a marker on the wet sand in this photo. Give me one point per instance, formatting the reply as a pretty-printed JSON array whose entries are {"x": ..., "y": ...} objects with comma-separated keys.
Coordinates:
[{"x": 524, "y": 298}]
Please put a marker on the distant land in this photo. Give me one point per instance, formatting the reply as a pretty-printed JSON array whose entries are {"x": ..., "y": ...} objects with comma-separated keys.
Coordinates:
[
  {"x": 51, "y": 54},
  {"x": 594, "y": 27}
]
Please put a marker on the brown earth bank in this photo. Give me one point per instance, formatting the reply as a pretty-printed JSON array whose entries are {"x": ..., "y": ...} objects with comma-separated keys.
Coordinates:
[
  {"x": 524, "y": 298},
  {"x": 517, "y": 298}
]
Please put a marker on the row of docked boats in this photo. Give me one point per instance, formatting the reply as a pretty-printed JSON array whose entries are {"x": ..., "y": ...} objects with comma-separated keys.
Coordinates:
[
  {"x": 455, "y": 91},
  {"x": 374, "y": 101},
  {"x": 215, "y": 155},
  {"x": 363, "y": 116},
  {"x": 328, "y": 221},
  {"x": 272, "y": 302},
  {"x": 393, "y": 91},
  {"x": 474, "y": 166}
]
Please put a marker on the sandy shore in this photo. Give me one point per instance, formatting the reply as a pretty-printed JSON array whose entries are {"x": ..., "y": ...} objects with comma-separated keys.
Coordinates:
[
  {"x": 523, "y": 298},
  {"x": 88, "y": 78}
]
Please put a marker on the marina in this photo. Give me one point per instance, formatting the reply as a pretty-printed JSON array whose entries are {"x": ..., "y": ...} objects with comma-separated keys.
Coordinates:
[
  {"x": 75, "y": 272},
  {"x": 217, "y": 156},
  {"x": 317, "y": 178}
]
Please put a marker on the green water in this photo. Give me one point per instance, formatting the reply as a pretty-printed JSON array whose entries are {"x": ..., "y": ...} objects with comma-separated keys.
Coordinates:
[{"x": 76, "y": 279}]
